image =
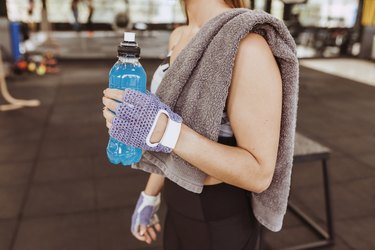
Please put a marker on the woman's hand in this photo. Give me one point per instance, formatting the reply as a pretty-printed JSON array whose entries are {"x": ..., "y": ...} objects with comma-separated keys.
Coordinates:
[
  {"x": 141, "y": 120},
  {"x": 145, "y": 222}
]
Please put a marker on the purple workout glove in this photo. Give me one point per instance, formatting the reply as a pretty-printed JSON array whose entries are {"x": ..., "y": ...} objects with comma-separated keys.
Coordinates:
[
  {"x": 145, "y": 211},
  {"x": 136, "y": 118}
]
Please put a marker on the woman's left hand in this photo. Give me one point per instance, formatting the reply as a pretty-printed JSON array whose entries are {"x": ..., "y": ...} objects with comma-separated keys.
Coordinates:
[{"x": 141, "y": 120}]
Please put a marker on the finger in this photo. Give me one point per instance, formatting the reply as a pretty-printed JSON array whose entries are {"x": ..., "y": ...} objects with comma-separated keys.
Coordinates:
[
  {"x": 148, "y": 237},
  {"x": 141, "y": 238},
  {"x": 138, "y": 235},
  {"x": 109, "y": 125},
  {"x": 115, "y": 94},
  {"x": 108, "y": 115},
  {"x": 143, "y": 231},
  {"x": 151, "y": 232},
  {"x": 109, "y": 103},
  {"x": 154, "y": 219},
  {"x": 157, "y": 227}
]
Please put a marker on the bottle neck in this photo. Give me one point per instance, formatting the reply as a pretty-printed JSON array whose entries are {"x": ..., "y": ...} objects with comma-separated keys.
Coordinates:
[{"x": 132, "y": 60}]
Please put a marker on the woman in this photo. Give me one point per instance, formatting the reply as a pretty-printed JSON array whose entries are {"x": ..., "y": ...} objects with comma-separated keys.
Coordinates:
[{"x": 220, "y": 217}]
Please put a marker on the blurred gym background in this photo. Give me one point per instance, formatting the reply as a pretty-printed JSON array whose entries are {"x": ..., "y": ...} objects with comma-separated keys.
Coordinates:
[{"x": 57, "y": 188}]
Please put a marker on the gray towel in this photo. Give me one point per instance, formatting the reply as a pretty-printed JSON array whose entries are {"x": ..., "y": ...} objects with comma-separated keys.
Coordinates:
[{"x": 196, "y": 87}]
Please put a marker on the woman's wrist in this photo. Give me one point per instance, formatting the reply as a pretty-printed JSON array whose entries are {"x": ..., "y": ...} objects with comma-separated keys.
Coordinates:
[
  {"x": 154, "y": 185},
  {"x": 185, "y": 140},
  {"x": 151, "y": 192},
  {"x": 150, "y": 199}
]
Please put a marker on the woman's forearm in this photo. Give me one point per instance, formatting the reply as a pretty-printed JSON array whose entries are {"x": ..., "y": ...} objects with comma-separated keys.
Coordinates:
[
  {"x": 232, "y": 165},
  {"x": 154, "y": 184}
]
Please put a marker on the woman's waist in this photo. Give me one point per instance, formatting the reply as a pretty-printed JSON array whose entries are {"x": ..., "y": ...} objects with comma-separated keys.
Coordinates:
[
  {"x": 210, "y": 180},
  {"x": 216, "y": 201}
]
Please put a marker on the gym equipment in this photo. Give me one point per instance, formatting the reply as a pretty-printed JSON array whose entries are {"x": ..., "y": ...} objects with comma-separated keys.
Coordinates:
[{"x": 13, "y": 103}]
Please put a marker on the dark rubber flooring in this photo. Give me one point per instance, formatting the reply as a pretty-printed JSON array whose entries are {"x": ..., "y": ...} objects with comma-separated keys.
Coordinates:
[{"x": 58, "y": 191}]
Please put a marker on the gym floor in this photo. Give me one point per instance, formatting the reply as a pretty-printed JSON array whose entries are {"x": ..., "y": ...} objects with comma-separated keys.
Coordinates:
[{"x": 58, "y": 191}]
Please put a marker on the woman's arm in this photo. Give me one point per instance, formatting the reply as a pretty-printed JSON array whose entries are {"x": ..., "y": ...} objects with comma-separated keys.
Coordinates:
[
  {"x": 254, "y": 110},
  {"x": 154, "y": 184},
  {"x": 145, "y": 232}
]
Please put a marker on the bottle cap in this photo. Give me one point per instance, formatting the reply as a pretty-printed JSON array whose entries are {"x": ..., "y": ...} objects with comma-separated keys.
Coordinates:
[{"x": 129, "y": 48}]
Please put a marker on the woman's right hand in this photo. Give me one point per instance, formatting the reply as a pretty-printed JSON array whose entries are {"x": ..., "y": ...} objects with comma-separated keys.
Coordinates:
[{"x": 145, "y": 221}]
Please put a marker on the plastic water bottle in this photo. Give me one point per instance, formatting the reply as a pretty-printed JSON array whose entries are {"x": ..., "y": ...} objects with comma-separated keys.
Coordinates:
[{"x": 126, "y": 73}]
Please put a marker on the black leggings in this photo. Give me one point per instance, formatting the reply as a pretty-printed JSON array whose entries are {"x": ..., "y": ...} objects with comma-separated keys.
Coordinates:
[{"x": 219, "y": 218}]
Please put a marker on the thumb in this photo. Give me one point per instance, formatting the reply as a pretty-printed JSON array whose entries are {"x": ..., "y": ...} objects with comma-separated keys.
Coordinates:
[{"x": 142, "y": 229}]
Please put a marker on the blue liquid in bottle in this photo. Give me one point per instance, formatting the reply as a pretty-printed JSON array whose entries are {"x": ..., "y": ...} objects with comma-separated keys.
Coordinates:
[{"x": 126, "y": 73}]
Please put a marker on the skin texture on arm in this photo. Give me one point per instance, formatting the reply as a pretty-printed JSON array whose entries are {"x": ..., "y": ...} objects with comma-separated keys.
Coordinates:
[{"x": 154, "y": 184}]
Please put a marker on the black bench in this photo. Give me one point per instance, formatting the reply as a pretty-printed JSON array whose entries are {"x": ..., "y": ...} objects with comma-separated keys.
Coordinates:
[{"x": 309, "y": 150}]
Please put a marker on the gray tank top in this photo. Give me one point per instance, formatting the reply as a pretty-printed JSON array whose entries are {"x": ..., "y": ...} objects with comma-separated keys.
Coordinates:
[{"x": 225, "y": 128}]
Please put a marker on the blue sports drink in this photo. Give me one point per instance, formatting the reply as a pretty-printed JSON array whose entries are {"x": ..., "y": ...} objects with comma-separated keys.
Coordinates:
[{"x": 126, "y": 73}]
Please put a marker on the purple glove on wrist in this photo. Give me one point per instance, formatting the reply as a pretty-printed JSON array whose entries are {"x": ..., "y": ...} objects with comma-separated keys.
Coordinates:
[
  {"x": 136, "y": 118},
  {"x": 145, "y": 211}
]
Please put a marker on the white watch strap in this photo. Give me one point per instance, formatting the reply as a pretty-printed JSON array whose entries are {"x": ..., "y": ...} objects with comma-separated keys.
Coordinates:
[
  {"x": 171, "y": 134},
  {"x": 149, "y": 199}
]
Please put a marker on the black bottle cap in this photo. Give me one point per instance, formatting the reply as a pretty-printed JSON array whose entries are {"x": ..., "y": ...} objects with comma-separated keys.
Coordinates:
[{"x": 129, "y": 48}]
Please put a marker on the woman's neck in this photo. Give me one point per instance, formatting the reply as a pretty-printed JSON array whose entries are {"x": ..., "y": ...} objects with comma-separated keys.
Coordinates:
[{"x": 199, "y": 12}]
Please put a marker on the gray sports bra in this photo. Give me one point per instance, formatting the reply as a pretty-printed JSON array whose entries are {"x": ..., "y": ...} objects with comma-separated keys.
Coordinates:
[{"x": 225, "y": 128}]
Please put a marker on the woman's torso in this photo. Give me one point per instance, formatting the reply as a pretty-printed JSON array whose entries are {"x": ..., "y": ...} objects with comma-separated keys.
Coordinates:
[{"x": 225, "y": 135}]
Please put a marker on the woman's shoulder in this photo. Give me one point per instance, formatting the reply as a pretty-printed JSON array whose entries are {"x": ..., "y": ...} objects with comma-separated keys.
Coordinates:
[
  {"x": 255, "y": 48},
  {"x": 175, "y": 36},
  {"x": 254, "y": 42}
]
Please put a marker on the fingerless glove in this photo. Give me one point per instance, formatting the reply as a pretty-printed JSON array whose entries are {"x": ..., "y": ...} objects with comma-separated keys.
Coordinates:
[
  {"x": 145, "y": 211},
  {"x": 136, "y": 118}
]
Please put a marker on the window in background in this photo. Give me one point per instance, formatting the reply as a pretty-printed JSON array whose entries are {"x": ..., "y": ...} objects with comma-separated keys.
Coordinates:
[
  {"x": 332, "y": 13},
  {"x": 156, "y": 11},
  {"x": 277, "y": 9},
  {"x": 259, "y": 4},
  {"x": 18, "y": 10},
  {"x": 147, "y": 11}
]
